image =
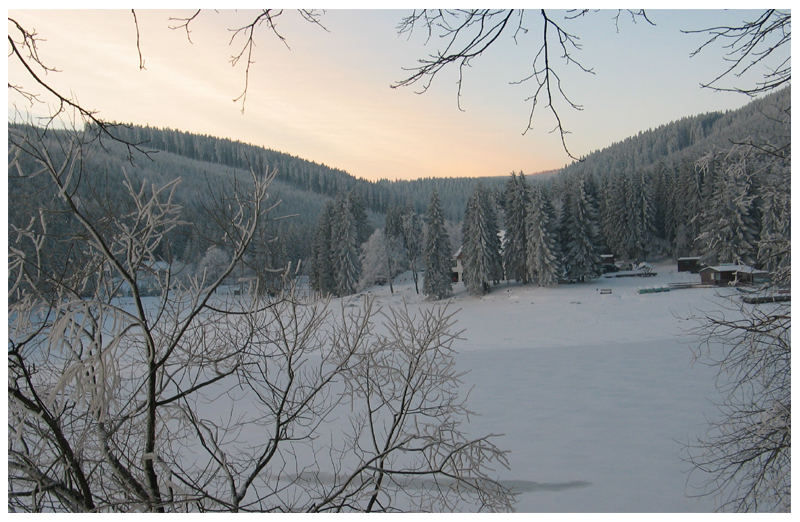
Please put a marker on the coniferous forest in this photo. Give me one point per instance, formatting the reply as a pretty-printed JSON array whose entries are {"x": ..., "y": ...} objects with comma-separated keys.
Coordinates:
[{"x": 686, "y": 188}]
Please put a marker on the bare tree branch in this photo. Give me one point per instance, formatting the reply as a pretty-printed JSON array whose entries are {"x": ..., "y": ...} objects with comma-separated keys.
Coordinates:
[
  {"x": 138, "y": 44},
  {"x": 468, "y": 34},
  {"x": 751, "y": 44}
]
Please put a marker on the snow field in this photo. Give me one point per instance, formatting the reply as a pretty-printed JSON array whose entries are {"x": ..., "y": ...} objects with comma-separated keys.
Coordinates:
[{"x": 595, "y": 394}]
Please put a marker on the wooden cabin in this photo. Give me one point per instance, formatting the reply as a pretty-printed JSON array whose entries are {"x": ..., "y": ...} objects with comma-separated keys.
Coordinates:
[
  {"x": 689, "y": 264},
  {"x": 732, "y": 275}
]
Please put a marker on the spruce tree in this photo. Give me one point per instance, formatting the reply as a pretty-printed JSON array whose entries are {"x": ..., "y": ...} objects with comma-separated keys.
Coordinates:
[
  {"x": 322, "y": 271},
  {"x": 345, "y": 247},
  {"x": 515, "y": 241},
  {"x": 774, "y": 244},
  {"x": 411, "y": 225},
  {"x": 491, "y": 237},
  {"x": 359, "y": 212},
  {"x": 544, "y": 267},
  {"x": 640, "y": 218},
  {"x": 481, "y": 251},
  {"x": 436, "y": 254},
  {"x": 583, "y": 260},
  {"x": 729, "y": 230}
]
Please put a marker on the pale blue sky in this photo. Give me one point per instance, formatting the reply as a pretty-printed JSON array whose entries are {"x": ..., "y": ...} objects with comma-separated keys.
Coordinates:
[{"x": 328, "y": 97}]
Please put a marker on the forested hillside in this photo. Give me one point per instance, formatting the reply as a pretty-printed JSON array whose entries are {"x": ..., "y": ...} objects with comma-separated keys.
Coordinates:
[
  {"x": 647, "y": 195},
  {"x": 307, "y": 175},
  {"x": 715, "y": 186}
]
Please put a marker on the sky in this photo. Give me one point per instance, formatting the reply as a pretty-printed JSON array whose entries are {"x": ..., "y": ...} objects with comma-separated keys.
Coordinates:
[{"x": 325, "y": 95}]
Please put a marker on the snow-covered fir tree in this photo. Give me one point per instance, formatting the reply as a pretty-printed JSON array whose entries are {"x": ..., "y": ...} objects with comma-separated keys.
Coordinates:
[
  {"x": 729, "y": 229},
  {"x": 322, "y": 278},
  {"x": 359, "y": 211},
  {"x": 606, "y": 215},
  {"x": 593, "y": 195},
  {"x": 544, "y": 267},
  {"x": 688, "y": 209},
  {"x": 562, "y": 214},
  {"x": 774, "y": 244},
  {"x": 582, "y": 258},
  {"x": 517, "y": 196},
  {"x": 345, "y": 248},
  {"x": 412, "y": 241},
  {"x": 481, "y": 250},
  {"x": 436, "y": 254},
  {"x": 639, "y": 218}
]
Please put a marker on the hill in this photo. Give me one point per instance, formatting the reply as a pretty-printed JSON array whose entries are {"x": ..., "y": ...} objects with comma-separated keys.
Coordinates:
[{"x": 205, "y": 164}]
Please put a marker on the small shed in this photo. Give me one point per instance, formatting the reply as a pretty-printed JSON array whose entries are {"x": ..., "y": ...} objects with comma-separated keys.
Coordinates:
[
  {"x": 457, "y": 269},
  {"x": 689, "y": 264},
  {"x": 607, "y": 263},
  {"x": 730, "y": 274}
]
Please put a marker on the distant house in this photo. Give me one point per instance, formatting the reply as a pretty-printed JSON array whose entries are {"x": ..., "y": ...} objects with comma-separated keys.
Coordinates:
[
  {"x": 608, "y": 263},
  {"x": 689, "y": 264},
  {"x": 730, "y": 274},
  {"x": 457, "y": 273}
]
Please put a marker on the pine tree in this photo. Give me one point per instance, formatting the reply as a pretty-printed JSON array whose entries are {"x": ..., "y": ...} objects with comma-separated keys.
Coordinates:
[
  {"x": 346, "y": 262},
  {"x": 411, "y": 225},
  {"x": 583, "y": 261},
  {"x": 359, "y": 212},
  {"x": 491, "y": 241},
  {"x": 640, "y": 216},
  {"x": 481, "y": 251},
  {"x": 543, "y": 263},
  {"x": 564, "y": 226},
  {"x": 436, "y": 254},
  {"x": 322, "y": 271},
  {"x": 517, "y": 196},
  {"x": 729, "y": 229},
  {"x": 774, "y": 244}
]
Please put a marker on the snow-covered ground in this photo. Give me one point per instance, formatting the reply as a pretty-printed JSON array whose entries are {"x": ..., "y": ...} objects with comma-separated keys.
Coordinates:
[{"x": 595, "y": 393}]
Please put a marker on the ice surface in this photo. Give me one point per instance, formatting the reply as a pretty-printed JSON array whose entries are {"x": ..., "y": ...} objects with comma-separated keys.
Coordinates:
[{"x": 596, "y": 394}]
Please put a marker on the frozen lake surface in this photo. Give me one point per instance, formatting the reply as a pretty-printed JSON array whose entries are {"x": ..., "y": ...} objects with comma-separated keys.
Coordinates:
[{"x": 595, "y": 394}]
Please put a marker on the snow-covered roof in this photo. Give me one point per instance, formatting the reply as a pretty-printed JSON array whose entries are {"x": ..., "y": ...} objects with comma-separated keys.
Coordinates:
[
  {"x": 689, "y": 258},
  {"x": 729, "y": 267}
]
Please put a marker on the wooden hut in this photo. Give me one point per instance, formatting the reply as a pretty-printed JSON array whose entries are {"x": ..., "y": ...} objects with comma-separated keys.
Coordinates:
[
  {"x": 689, "y": 264},
  {"x": 730, "y": 274}
]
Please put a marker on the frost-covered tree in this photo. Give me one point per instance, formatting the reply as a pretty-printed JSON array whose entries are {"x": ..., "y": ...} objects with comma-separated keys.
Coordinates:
[
  {"x": 323, "y": 277},
  {"x": 481, "y": 250},
  {"x": 345, "y": 248},
  {"x": 515, "y": 242},
  {"x": 543, "y": 264},
  {"x": 774, "y": 244},
  {"x": 582, "y": 258},
  {"x": 641, "y": 233},
  {"x": 412, "y": 240},
  {"x": 374, "y": 260},
  {"x": 744, "y": 459},
  {"x": 436, "y": 253},
  {"x": 213, "y": 263},
  {"x": 729, "y": 230},
  {"x": 688, "y": 209},
  {"x": 404, "y": 224},
  {"x": 359, "y": 212}
]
